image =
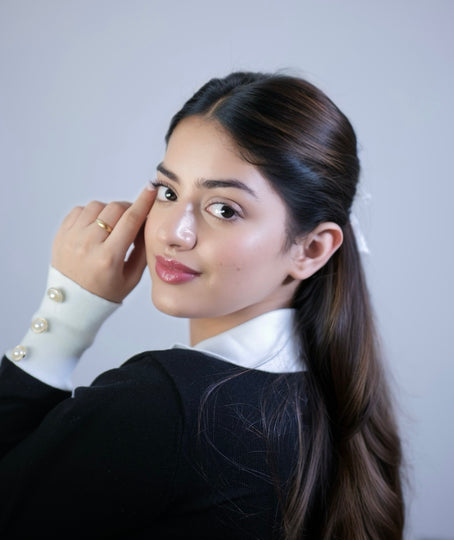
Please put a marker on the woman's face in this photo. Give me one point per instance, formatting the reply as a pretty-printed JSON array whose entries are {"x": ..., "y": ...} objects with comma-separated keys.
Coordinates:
[{"x": 215, "y": 235}]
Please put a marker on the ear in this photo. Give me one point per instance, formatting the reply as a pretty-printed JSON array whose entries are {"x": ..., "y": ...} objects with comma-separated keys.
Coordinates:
[{"x": 312, "y": 251}]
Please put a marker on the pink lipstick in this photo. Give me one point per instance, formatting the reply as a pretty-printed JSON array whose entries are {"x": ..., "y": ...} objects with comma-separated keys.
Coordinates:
[{"x": 172, "y": 271}]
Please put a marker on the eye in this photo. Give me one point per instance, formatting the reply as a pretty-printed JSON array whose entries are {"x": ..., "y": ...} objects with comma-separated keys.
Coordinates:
[
  {"x": 222, "y": 211},
  {"x": 164, "y": 193}
]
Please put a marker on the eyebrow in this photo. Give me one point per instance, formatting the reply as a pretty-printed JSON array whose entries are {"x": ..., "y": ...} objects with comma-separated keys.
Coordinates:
[{"x": 210, "y": 184}]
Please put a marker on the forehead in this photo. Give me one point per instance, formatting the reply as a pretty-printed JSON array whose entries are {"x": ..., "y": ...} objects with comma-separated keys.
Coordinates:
[
  {"x": 199, "y": 137},
  {"x": 200, "y": 148}
]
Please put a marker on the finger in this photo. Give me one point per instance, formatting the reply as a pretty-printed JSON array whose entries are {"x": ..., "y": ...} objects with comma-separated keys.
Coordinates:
[
  {"x": 136, "y": 263},
  {"x": 128, "y": 226},
  {"x": 72, "y": 217},
  {"x": 110, "y": 215},
  {"x": 90, "y": 213}
]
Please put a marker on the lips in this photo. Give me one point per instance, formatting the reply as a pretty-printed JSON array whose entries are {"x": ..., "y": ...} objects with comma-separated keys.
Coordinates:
[{"x": 172, "y": 271}]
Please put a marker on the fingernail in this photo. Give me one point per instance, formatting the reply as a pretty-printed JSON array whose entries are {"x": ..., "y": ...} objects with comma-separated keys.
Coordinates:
[{"x": 150, "y": 186}]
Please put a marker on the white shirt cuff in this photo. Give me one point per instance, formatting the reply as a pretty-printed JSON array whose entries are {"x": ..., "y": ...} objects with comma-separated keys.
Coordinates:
[{"x": 62, "y": 328}]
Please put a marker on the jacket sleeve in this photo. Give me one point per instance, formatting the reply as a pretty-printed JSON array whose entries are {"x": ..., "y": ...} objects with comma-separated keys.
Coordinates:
[
  {"x": 24, "y": 401},
  {"x": 99, "y": 464},
  {"x": 63, "y": 327}
]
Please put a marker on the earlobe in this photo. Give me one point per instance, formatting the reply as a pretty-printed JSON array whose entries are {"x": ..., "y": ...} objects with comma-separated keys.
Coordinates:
[{"x": 312, "y": 251}]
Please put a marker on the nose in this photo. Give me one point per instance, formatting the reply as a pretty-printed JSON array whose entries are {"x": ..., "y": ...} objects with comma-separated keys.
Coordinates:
[{"x": 178, "y": 230}]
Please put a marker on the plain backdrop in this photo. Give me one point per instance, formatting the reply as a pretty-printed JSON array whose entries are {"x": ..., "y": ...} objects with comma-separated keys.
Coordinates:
[{"x": 88, "y": 88}]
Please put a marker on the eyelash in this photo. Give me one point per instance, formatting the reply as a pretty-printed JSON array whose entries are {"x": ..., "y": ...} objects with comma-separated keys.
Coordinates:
[{"x": 157, "y": 184}]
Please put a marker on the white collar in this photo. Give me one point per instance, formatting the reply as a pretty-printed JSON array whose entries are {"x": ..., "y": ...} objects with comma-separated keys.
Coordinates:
[{"x": 265, "y": 343}]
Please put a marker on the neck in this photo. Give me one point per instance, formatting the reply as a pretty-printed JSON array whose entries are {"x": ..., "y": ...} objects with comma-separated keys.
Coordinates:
[{"x": 201, "y": 329}]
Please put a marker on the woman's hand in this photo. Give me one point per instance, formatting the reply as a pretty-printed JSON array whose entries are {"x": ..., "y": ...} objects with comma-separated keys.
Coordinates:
[{"x": 95, "y": 258}]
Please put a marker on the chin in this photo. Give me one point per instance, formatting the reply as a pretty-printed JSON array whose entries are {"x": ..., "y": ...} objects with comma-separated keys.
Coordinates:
[{"x": 170, "y": 306}]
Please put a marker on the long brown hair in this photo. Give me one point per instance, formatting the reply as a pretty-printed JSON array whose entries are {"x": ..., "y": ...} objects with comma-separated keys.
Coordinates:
[{"x": 346, "y": 482}]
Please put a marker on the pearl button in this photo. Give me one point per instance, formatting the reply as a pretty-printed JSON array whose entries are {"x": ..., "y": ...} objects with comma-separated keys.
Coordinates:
[
  {"x": 18, "y": 353},
  {"x": 55, "y": 294},
  {"x": 39, "y": 325}
]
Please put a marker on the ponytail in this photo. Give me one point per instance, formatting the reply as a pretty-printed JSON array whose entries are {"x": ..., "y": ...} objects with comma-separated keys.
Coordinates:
[{"x": 346, "y": 483}]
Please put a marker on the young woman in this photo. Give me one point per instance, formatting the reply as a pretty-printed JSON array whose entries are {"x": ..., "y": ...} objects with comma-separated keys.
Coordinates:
[{"x": 276, "y": 422}]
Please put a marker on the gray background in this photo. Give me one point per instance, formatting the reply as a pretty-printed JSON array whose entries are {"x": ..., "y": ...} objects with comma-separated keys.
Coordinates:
[{"x": 87, "y": 90}]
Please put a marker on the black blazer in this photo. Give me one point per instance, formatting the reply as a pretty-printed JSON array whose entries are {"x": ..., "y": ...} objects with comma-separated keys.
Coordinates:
[{"x": 169, "y": 445}]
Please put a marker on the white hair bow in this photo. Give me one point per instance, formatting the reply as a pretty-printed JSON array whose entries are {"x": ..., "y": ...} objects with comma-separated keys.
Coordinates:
[
  {"x": 363, "y": 198},
  {"x": 360, "y": 239}
]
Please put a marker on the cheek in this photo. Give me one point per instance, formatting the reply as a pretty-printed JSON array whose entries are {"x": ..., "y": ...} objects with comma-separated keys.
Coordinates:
[{"x": 248, "y": 251}]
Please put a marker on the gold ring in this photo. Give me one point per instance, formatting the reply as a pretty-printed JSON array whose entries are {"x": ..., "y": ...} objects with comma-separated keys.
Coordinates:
[{"x": 103, "y": 225}]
